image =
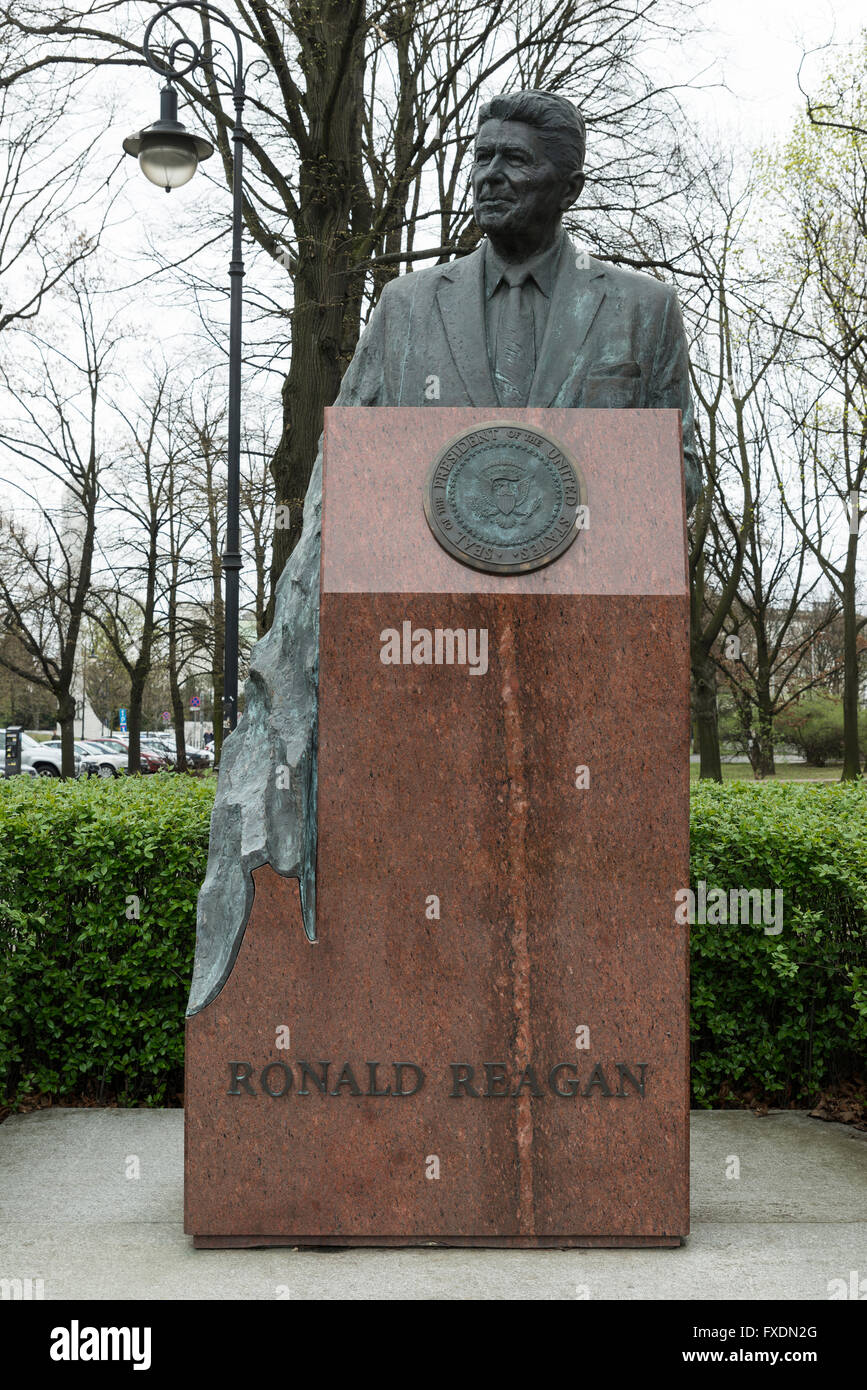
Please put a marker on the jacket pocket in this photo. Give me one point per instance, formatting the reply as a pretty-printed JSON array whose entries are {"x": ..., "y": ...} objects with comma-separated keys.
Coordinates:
[{"x": 612, "y": 392}]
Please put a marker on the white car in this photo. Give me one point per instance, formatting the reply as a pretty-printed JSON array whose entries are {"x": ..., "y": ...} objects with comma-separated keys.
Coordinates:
[
  {"x": 110, "y": 762},
  {"x": 95, "y": 759}
]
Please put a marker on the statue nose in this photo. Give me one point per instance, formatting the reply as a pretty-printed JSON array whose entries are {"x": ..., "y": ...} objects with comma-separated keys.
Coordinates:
[
  {"x": 495, "y": 168},
  {"x": 493, "y": 180}
]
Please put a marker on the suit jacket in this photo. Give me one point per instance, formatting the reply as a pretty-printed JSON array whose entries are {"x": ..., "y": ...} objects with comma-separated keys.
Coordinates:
[{"x": 614, "y": 339}]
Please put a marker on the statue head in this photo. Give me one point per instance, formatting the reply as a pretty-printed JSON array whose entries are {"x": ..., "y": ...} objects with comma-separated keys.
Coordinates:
[{"x": 527, "y": 169}]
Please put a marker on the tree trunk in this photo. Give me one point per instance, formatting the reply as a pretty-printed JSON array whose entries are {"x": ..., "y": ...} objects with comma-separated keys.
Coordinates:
[
  {"x": 142, "y": 667},
  {"x": 764, "y": 765},
  {"x": 765, "y": 762},
  {"x": 66, "y": 720},
  {"x": 178, "y": 711},
  {"x": 748, "y": 733},
  {"x": 704, "y": 674},
  {"x": 706, "y": 714},
  {"x": 325, "y": 279},
  {"x": 851, "y": 753},
  {"x": 136, "y": 700}
]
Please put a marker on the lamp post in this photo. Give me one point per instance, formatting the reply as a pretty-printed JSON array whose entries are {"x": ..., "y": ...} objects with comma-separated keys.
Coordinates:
[{"x": 169, "y": 156}]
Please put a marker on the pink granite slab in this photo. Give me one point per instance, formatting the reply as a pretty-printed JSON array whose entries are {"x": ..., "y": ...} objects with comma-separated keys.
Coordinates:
[{"x": 376, "y": 538}]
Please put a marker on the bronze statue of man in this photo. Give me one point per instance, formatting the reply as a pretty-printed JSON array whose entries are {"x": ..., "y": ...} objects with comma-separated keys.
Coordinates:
[{"x": 525, "y": 320}]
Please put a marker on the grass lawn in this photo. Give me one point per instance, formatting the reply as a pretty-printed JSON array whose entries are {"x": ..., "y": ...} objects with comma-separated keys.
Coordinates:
[{"x": 786, "y": 772}]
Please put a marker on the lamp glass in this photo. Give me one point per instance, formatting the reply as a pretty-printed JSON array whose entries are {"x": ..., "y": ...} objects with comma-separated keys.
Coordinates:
[{"x": 168, "y": 161}]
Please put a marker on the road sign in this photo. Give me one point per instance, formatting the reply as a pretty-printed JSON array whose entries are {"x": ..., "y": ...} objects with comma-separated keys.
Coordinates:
[
  {"x": 121, "y": 719},
  {"x": 196, "y": 702},
  {"x": 166, "y": 717}
]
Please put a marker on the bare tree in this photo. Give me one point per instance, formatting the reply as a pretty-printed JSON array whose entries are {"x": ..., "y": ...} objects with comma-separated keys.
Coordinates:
[
  {"x": 201, "y": 428},
  {"x": 732, "y": 351},
  {"x": 821, "y": 178},
  {"x": 45, "y": 577},
  {"x": 257, "y": 516},
  {"x": 124, "y": 604},
  {"x": 834, "y": 110},
  {"x": 177, "y": 565},
  {"x": 23, "y": 700},
  {"x": 775, "y": 620},
  {"x": 361, "y": 122},
  {"x": 43, "y": 186}
]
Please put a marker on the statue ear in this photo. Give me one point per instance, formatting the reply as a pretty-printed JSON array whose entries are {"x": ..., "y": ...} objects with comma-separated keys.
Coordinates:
[{"x": 571, "y": 191}]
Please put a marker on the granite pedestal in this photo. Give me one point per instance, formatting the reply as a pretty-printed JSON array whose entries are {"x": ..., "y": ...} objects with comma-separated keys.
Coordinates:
[{"x": 488, "y": 1042}]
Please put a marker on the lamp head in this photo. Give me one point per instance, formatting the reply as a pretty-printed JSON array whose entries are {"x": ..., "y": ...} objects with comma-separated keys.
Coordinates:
[{"x": 166, "y": 151}]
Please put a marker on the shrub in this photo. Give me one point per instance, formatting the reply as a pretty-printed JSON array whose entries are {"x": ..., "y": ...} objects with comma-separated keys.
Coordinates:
[
  {"x": 91, "y": 997},
  {"x": 814, "y": 727},
  {"x": 785, "y": 1014}
]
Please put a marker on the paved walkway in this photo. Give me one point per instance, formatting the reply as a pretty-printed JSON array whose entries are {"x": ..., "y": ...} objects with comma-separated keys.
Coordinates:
[{"x": 794, "y": 1220}]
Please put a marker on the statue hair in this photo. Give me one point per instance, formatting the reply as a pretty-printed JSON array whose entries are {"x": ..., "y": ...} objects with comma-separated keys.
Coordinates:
[{"x": 559, "y": 118}]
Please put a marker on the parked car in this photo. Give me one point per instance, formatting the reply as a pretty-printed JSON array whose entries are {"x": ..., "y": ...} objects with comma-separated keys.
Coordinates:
[
  {"x": 96, "y": 761},
  {"x": 163, "y": 749},
  {"x": 109, "y": 756},
  {"x": 196, "y": 757},
  {"x": 149, "y": 761},
  {"x": 200, "y": 757},
  {"x": 41, "y": 758}
]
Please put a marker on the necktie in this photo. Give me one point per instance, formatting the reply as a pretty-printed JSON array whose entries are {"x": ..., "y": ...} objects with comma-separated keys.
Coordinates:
[{"x": 515, "y": 361}]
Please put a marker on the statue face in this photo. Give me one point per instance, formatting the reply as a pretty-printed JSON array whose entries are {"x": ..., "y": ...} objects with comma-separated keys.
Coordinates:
[{"x": 519, "y": 194}]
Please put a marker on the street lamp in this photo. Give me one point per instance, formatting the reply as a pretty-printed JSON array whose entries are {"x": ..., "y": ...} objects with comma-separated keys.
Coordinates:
[
  {"x": 167, "y": 153},
  {"x": 169, "y": 156}
]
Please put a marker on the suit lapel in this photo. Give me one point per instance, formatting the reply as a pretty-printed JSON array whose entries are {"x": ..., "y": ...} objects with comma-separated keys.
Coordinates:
[
  {"x": 461, "y": 302},
  {"x": 575, "y": 301}
]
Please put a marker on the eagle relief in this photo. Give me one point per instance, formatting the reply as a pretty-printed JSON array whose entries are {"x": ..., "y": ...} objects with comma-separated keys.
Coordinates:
[{"x": 509, "y": 485}]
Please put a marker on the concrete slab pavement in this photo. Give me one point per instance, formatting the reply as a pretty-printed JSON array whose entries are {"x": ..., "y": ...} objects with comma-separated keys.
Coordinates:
[{"x": 91, "y": 1203}]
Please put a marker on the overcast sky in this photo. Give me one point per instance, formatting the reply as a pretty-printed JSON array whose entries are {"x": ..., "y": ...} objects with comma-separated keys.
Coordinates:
[
  {"x": 757, "y": 46},
  {"x": 754, "y": 46}
]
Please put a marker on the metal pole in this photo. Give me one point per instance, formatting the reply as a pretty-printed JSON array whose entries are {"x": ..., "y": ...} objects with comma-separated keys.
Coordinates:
[
  {"x": 232, "y": 553},
  {"x": 183, "y": 57}
]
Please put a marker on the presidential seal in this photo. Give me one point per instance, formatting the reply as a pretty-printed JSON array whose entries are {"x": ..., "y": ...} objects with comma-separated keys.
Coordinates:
[{"x": 504, "y": 498}]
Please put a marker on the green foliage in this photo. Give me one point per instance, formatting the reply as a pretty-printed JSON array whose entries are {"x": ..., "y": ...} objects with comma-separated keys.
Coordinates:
[
  {"x": 815, "y": 727},
  {"x": 92, "y": 1000},
  {"x": 782, "y": 1014},
  {"x": 731, "y": 732}
]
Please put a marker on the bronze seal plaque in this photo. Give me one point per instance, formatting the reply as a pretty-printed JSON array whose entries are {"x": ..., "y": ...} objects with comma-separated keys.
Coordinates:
[{"x": 504, "y": 498}]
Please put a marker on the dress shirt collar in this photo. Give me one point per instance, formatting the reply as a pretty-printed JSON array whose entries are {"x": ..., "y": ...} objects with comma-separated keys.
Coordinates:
[{"x": 542, "y": 267}]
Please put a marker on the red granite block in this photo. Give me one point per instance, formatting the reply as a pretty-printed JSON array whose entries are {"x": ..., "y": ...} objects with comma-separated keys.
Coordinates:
[{"x": 555, "y": 901}]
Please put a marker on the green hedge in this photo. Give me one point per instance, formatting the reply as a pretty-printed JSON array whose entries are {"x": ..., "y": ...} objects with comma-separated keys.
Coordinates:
[
  {"x": 783, "y": 1014},
  {"x": 92, "y": 1000}
]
